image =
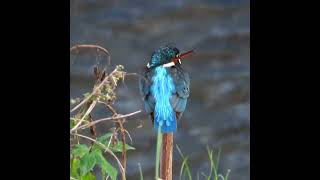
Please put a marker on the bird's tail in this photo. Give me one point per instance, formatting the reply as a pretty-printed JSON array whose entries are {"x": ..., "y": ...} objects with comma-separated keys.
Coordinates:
[
  {"x": 167, "y": 126},
  {"x": 178, "y": 116}
]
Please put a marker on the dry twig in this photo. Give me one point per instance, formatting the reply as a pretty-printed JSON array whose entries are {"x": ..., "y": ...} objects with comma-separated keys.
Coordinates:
[{"x": 108, "y": 119}]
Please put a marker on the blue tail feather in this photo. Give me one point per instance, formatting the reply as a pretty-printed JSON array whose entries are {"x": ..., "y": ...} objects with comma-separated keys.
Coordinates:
[
  {"x": 167, "y": 126},
  {"x": 162, "y": 89}
]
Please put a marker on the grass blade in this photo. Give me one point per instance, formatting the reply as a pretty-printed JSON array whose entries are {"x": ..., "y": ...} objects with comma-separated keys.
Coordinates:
[
  {"x": 227, "y": 174},
  {"x": 158, "y": 152},
  {"x": 140, "y": 170},
  {"x": 184, "y": 167}
]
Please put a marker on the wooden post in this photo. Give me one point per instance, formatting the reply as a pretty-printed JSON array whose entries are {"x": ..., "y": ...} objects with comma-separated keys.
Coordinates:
[{"x": 166, "y": 156}]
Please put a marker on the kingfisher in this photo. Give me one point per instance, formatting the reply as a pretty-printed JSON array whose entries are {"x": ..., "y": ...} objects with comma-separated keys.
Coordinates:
[{"x": 165, "y": 88}]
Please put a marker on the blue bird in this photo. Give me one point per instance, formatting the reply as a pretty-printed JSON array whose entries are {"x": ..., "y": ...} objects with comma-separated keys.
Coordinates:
[{"x": 165, "y": 88}]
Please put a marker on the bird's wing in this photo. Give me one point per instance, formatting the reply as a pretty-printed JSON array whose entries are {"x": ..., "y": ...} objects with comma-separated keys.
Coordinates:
[
  {"x": 144, "y": 87},
  {"x": 182, "y": 84}
]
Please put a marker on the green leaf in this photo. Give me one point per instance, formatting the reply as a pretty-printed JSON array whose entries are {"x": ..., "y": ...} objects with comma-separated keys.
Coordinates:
[
  {"x": 72, "y": 124},
  {"x": 80, "y": 150},
  {"x": 118, "y": 147},
  {"x": 87, "y": 162},
  {"x": 74, "y": 167},
  {"x": 88, "y": 176},
  {"x": 106, "y": 167},
  {"x": 86, "y": 94},
  {"x": 105, "y": 138}
]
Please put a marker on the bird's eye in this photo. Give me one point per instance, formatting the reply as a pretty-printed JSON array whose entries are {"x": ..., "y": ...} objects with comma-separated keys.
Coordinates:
[{"x": 177, "y": 55}]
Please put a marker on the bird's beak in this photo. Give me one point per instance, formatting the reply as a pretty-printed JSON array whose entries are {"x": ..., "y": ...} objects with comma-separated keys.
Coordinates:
[
  {"x": 176, "y": 59},
  {"x": 181, "y": 56},
  {"x": 186, "y": 54}
]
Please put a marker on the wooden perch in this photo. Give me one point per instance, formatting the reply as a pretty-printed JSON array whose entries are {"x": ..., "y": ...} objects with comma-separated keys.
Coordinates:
[{"x": 166, "y": 156}]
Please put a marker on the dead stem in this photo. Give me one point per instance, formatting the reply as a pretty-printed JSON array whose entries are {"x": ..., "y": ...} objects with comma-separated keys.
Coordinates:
[
  {"x": 93, "y": 131},
  {"x": 128, "y": 135},
  {"x": 76, "y": 49},
  {"x": 93, "y": 104},
  {"x": 108, "y": 119},
  {"x": 123, "y": 138},
  {"x": 94, "y": 91},
  {"x": 124, "y": 151},
  {"x": 112, "y": 110}
]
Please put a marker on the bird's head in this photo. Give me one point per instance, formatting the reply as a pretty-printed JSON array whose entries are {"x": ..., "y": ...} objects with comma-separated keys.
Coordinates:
[{"x": 166, "y": 56}]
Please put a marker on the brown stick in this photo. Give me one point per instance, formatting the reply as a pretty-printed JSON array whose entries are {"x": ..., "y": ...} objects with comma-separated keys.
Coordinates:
[
  {"x": 124, "y": 153},
  {"x": 92, "y": 131},
  {"x": 166, "y": 156},
  {"x": 122, "y": 130}
]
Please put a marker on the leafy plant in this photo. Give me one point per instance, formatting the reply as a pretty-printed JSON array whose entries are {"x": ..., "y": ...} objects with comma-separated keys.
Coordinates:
[{"x": 85, "y": 158}]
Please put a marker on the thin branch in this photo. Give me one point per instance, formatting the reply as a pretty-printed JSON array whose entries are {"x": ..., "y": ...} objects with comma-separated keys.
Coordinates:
[
  {"x": 104, "y": 147},
  {"x": 120, "y": 123},
  {"x": 101, "y": 102},
  {"x": 93, "y": 129},
  {"x": 87, "y": 113},
  {"x": 90, "y": 46},
  {"x": 112, "y": 110},
  {"x": 109, "y": 143},
  {"x": 128, "y": 135},
  {"x": 108, "y": 119},
  {"x": 94, "y": 91}
]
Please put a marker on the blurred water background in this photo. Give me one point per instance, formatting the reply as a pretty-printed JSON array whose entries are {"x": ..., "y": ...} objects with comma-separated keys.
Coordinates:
[{"x": 218, "y": 110}]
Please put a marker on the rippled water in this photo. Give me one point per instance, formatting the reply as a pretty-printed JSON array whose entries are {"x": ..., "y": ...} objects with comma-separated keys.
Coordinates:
[{"x": 218, "y": 111}]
